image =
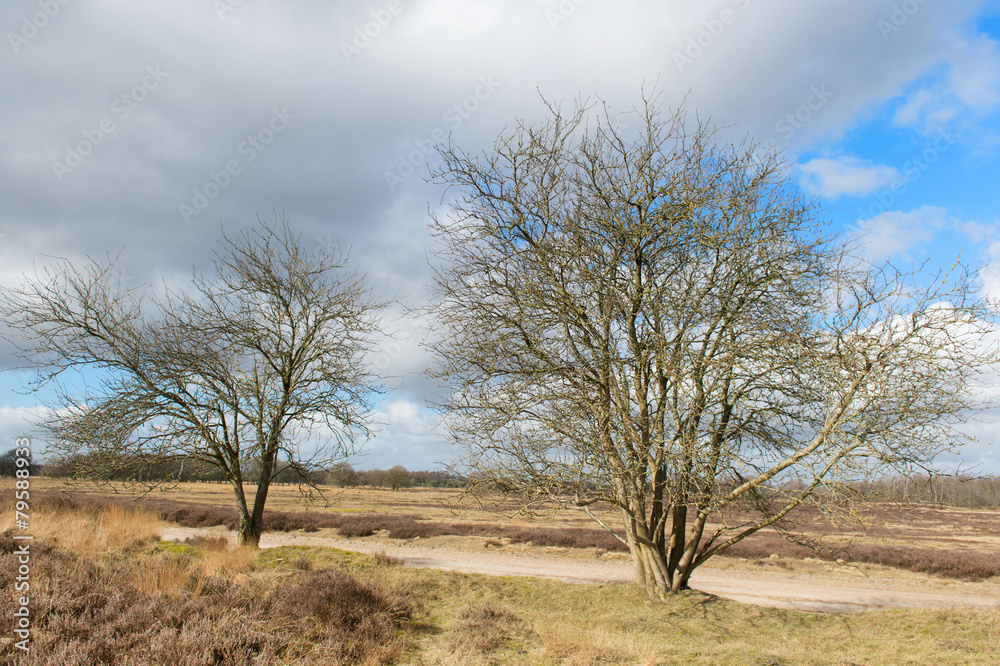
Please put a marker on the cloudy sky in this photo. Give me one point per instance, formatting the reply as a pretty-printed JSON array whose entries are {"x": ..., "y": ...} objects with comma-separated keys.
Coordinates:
[{"x": 140, "y": 126}]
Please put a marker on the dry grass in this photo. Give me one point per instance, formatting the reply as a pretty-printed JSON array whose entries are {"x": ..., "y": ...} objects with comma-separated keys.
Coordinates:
[
  {"x": 386, "y": 560},
  {"x": 484, "y": 628},
  {"x": 230, "y": 562},
  {"x": 89, "y": 528},
  {"x": 217, "y": 557},
  {"x": 192, "y": 605},
  {"x": 586, "y": 645},
  {"x": 614, "y": 624},
  {"x": 165, "y": 605},
  {"x": 213, "y": 543},
  {"x": 167, "y": 575}
]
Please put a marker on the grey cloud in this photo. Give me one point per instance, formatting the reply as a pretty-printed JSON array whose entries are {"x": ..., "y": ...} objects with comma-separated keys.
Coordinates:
[{"x": 356, "y": 118}]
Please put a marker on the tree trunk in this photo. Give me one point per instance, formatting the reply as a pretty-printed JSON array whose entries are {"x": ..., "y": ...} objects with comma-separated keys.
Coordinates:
[
  {"x": 687, "y": 562},
  {"x": 254, "y": 527},
  {"x": 241, "y": 507},
  {"x": 651, "y": 570}
]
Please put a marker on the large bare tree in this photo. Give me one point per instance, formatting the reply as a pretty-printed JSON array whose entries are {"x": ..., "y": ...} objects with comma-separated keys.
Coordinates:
[
  {"x": 256, "y": 369},
  {"x": 653, "y": 319}
]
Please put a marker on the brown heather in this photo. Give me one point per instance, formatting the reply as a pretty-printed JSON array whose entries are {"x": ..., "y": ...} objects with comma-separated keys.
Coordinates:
[
  {"x": 148, "y": 603},
  {"x": 200, "y": 606},
  {"x": 962, "y": 564},
  {"x": 885, "y": 526}
]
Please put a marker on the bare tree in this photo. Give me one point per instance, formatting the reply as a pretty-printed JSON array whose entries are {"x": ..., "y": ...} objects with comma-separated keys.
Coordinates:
[
  {"x": 376, "y": 478},
  {"x": 258, "y": 370},
  {"x": 398, "y": 477},
  {"x": 342, "y": 475},
  {"x": 661, "y": 323}
]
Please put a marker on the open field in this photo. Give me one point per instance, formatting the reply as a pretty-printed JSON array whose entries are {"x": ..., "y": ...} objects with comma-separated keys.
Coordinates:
[
  {"x": 947, "y": 541},
  {"x": 121, "y": 596}
]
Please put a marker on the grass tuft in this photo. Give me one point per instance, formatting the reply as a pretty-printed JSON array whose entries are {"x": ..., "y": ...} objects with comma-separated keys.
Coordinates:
[
  {"x": 90, "y": 528},
  {"x": 485, "y": 628},
  {"x": 386, "y": 560}
]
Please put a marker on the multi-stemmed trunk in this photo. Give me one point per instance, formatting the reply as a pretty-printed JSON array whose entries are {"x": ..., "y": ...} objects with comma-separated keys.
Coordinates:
[
  {"x": 252, "y": 517},
  {"x": 665, "y": 560}
]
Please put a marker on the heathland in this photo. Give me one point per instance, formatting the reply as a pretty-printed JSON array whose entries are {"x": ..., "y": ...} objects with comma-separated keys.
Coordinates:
[{"x": 106, "y": 589}]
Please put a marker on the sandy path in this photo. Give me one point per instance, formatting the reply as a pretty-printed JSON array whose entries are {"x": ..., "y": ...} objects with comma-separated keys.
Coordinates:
[{"x": 846, "y": 589}]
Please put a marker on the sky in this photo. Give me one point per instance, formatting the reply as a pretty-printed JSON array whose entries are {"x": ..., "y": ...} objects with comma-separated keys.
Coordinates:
[{"x": 139, "y": 128}]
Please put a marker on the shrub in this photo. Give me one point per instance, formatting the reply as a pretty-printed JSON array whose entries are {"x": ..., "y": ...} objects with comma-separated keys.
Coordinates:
[
  {"x": 486, "y": 628},
  {"x": 90, "y": 527},
  {"x": 765, "y": 544},
  {"x": 302, "y": 563},
  {"x": 161, "y": 609},
  {"x": 186, "y": 609},
  {"x": 348, "y": 620},
  {"x": 965, "y": 564}
]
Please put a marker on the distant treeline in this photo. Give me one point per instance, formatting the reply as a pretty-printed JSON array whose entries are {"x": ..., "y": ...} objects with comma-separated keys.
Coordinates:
[
  {"x": 344, "y": 476},
  {"x": 9, "y": 467},
  {"x": 958, "y": 491},
  {"x": 961, "y": 491},
  {"x": 191, "y": 469}
]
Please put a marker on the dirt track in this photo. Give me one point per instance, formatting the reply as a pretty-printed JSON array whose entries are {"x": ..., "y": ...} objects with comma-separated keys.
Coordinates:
[{"x": 797, "y": 586}]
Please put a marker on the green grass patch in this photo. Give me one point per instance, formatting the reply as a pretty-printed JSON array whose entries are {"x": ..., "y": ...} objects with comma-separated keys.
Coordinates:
[{"x": 178, "y": 548}]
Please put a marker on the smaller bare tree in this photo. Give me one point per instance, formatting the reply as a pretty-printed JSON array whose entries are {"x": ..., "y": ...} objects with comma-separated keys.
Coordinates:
[
  {"x": 342, "y": 475},
  {"x": 258, "y": 370},
  {"x": 397, "y": 477}
]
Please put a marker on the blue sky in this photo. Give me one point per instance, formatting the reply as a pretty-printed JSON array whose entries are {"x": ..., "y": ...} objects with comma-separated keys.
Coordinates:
[{"x": 888, "y": 109}]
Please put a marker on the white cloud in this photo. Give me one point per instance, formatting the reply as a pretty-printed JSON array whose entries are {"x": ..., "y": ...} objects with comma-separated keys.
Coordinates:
[
  {"x": 835, "y": 177},
  {"x": 982, "y": 456},
  {"x": 967, "y": 90},
  {"x": 17, "y": 422},
  {"x": 990, "y": 274},
  {"x": 983, "y": 237},
  {"x": 408, "y": 437},
  {"x": 925, "y": 108},
  {"x": 975, "y": 74},
  {"x": 979, "y": 232},
  {"x": 897, "y": 233}
]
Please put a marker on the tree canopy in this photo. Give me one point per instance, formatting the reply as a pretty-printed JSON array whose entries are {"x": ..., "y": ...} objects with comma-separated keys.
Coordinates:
[
  {"x": 653, "y": 319},
  {"x": 239, "y": 372}
]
